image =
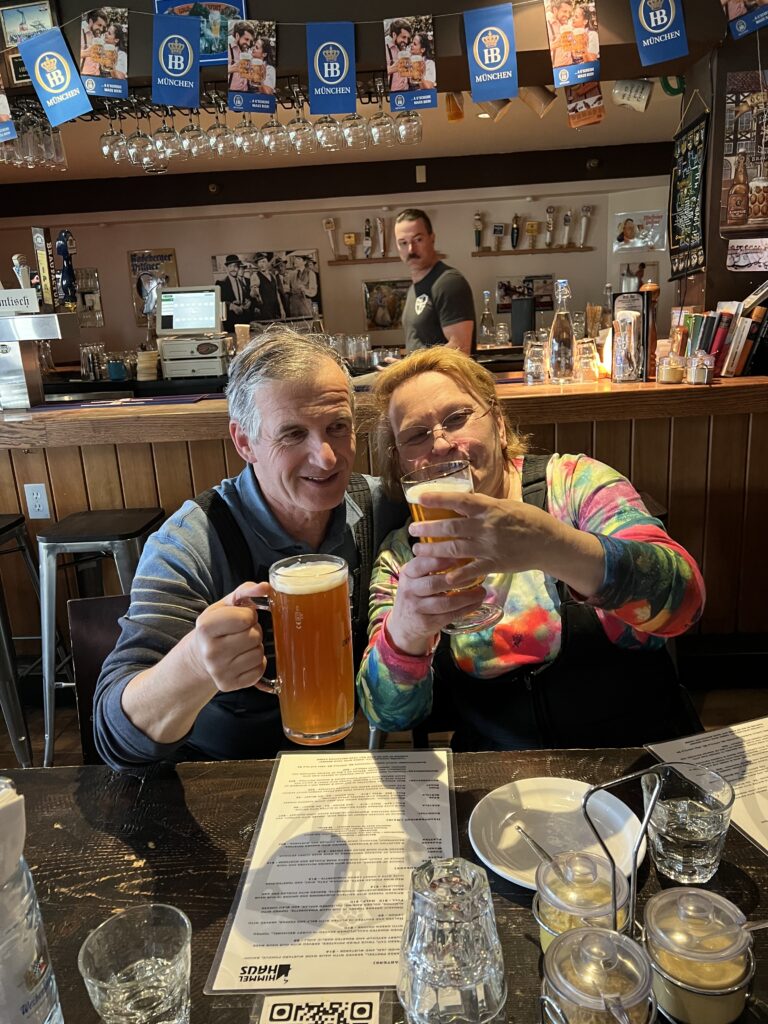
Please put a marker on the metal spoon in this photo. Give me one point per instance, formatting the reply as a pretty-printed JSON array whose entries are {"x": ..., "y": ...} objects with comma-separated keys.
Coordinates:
[{"x": 541, "y": 853}]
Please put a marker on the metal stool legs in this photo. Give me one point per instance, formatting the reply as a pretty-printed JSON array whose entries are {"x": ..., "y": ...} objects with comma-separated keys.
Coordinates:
[
  {"x": 10, "y": 705},
  {"x": 48, "y": 633},
  {"x": 126, "y": 554}
]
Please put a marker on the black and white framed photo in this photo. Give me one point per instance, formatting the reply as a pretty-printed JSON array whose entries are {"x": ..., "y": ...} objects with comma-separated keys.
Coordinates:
[
  {"x": 20, "y": 22},
  {"x": 269, "y": 285}
]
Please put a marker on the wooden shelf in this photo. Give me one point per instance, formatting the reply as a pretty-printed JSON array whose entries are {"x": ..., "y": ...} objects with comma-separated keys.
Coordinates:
[
  {"x": 363, "y": 262},
  {"x": 552, "y": 250}
]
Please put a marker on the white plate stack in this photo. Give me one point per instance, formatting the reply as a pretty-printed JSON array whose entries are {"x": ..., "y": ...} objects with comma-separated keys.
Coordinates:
[{"x": 146, "y": 365}]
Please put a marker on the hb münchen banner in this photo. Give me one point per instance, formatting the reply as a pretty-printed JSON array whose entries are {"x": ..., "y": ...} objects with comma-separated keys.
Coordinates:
[
  {"x": 54, "y": 76},
  {"x": 176, "y": 61},
  {"x": 331, "y": 65},
  {"x": 491, "y": 53},
  {"x": 659, "y": 30}
]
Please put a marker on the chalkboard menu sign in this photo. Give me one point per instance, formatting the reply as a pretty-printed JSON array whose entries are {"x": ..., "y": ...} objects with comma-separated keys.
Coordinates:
[{"x": 686, "y": 207}]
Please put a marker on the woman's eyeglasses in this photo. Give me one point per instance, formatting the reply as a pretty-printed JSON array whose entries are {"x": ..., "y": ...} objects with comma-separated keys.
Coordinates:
[{"x": 421, "y": 438}]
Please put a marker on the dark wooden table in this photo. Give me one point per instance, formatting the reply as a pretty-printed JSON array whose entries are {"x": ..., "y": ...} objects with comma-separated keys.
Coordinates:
[{"x": 99, "y": 841}]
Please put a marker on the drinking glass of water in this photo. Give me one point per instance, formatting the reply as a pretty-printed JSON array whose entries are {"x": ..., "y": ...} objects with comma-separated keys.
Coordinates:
[
  {"x": 451, "y": 967},
  {"x": 136, "y": 966},
  {"x": 688, "y": 825}
]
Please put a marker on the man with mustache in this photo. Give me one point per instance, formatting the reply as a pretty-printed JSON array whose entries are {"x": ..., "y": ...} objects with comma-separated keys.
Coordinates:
[{"x": 438, "y": 308}]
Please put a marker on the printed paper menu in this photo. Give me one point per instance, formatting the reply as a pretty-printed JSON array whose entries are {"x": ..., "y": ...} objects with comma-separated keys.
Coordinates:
[
  {"x": 322, "y": 901},
  {"x": 740, "y": 754}
]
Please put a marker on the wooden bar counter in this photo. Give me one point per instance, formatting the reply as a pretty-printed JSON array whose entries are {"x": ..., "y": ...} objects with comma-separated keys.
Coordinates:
[{"x": 702, "y": 451}]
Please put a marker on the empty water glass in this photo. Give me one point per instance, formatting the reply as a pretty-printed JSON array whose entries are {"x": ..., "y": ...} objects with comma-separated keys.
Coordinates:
[
  {"x": 356, "y": 131},
  {"x": 136, "y": 966},
  {"x": 193, "y": 138},
  {"x": 587, "y": 369},
  {"x": 383, "y": 130},
  {"x": 301, "y": 132},
  {"x": 535, "y": 361},
  {"x": 276, "y": 138},
  {"x": 451, "y": 967},
  {"x": 329, "y": 135},
  {"x": 408, "y": 123},
  {"x": 248, "y": 136},
  {"x": 168, "y": 143},
  {"x": 141, "y": 148},
  {"x": 578, "y": 319}
]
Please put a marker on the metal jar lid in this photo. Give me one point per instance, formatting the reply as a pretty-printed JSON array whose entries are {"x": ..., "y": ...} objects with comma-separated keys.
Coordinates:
[
  {"x": 592, "y": 967},
  {"x": 697, "y": 937},
  {"x": 580, "y": 884}
]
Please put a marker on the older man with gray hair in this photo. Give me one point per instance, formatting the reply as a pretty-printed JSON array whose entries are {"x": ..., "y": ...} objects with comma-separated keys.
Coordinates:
[{"x": 182, "y": 682}]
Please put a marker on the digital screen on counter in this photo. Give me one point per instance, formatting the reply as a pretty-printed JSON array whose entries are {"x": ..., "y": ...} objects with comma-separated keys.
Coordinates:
[{"x": 189, "y": 311}]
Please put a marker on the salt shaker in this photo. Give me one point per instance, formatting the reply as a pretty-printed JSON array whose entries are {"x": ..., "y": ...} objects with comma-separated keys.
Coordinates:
[{"x": 451, "y": 966}]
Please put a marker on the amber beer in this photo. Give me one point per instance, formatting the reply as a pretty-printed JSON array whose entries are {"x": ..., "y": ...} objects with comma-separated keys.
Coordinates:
[
  {"x": 417, "y": 68},
  {"x": 313, "y": 643},
  {"x": 420, "y": 514},
  {"x": 404, "y": 63}
]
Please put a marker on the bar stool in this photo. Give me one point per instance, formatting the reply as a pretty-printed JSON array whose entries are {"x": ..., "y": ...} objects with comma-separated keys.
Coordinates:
[{"x": 117, "y": 532}]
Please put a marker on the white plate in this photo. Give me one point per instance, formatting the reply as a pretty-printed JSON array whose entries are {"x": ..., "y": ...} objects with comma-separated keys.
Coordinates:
[{"x": 550, "y": 811}]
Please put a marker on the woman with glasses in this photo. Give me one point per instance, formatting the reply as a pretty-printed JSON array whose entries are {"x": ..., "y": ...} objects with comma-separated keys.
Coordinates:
[{"x": 589, "y": 584}]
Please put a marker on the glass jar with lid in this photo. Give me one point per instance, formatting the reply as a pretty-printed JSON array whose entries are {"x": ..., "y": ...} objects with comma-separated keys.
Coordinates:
[
  {"x": 700, "y": 955},
  {"x": 573, "y": 890},
  {"x": 596, "y": 976},
  {"x": 670, "y": 369},
  {"x": 699, "y": 368}
]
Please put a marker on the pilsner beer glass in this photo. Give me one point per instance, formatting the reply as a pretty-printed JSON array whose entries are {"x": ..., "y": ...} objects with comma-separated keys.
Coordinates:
[
  {"x": 448, "y": 478},
  {"x": 309, "y": 602}
]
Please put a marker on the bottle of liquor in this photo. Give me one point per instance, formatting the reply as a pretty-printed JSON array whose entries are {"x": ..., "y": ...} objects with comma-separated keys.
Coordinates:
[
  {"x": 561, "y": 342},
  {"x": 316, "y": 325},
  {"x": 737, "y": 206},
  {"x": 28, "y": 991},
  {"x": 652, "y": 287},
  {"x": 487, "y": 325}
]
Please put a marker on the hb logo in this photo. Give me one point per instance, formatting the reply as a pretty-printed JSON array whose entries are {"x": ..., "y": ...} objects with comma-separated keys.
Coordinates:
[
  {"x": 331, "y": 63},
  {"x": 491, "y": 48},
  {"x": 237, "y": 101},
  {"x": 563, "y": 75},
  {"x": 52, "y": 72},
  {"x": 175, "y": 55},
  {"x": 89, "y": 84},
  {"x": 656, "y": 15}
]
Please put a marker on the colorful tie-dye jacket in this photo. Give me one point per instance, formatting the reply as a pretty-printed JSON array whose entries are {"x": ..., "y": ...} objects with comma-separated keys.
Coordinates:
[{"x": 652, "y": 589}]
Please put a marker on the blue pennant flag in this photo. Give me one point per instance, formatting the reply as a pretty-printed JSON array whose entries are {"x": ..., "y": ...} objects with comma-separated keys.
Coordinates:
[
  {"x": 331, "y": 66},
  {"x": 176, "y": 61},
  {"x": 491, "y": 53},
  {"x": 53, "y": 73},
  {"x": 749, "y": 22},
  {"x": 659, "y": 30}
]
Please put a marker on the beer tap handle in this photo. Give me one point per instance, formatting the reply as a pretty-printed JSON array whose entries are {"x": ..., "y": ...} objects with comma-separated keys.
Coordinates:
[
  {"x": 586, "y": 213},
  {"x": 21, "y": 270},
  {"x": 549, "y": 237},
  {"x": 367, "y": 240},
  {"x": 329, "y": 224},
  {"x": 514, "y": 234},
  {"x": 381, "y": 232},
  {"x": 567, "y": 218},
  {"x": 478, "y": 221}
]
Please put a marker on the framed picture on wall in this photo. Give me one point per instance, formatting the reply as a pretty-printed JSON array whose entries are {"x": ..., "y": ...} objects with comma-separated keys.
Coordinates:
[
  {"x": 21, "y": 22},
  {"x": 384, "y": 302},
  {"x": 150, "y": 269},
  {"x": 270, "y": 285}
]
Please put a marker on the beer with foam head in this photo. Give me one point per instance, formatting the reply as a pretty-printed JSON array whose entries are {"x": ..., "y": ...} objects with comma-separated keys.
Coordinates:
[{"x": 313, "y": 644}]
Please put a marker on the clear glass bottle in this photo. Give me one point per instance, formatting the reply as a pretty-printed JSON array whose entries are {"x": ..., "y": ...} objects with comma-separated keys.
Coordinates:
[
  {"x": 487, "y": 325},
  {"x": 28, "y": 992},
  {"x": 316, "y": 326},
  {"x": 561, "y": 341}
]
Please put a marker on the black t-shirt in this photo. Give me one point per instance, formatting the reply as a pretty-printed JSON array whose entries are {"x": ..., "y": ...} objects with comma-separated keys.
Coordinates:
[{"x": 440, "y": 299}]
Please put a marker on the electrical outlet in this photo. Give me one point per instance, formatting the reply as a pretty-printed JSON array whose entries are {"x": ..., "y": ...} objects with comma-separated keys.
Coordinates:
[{"x": 37, "y": 501}]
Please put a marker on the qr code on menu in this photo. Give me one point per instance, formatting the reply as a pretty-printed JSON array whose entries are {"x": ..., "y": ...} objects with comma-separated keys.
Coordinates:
[{"x": 331, "y": 1008}]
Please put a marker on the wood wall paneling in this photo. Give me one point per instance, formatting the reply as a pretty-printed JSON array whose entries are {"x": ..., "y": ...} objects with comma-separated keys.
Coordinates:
[
  {"x": 207, "y": 464},
  {"x": 574, "y": 438},
  {"x": 541, "y": 437},
  {"x": 613, "y": 445},
  {"x": 650, "y": 457},
  {"x": 137, "y": 475},
  {"x": 173, "y": 474},
  {"x": 724, "y": 521},
  {"x": 688, "y": 483},
  {"x": 102, "y": 476},
  {"x": 752, "y": 586}
]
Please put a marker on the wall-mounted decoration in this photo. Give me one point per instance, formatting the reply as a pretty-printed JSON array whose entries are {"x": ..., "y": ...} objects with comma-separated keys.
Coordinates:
[
  {"x": 409, "y": 47},
  {"x": 148, "y": 269},
  {"x": 574, "y": 43},
  {"x": 744, "y": 194},
  {"x": 384, "y": 302},
  {"x": 252, "y": 66},
  {"x": 20, "y": 22},
  {"x": 639, "y": 229},
  {"x": 745, "y": 16},
  {"x": 539, "y": 287},
  {"x": 268, "y": 285},
  {"x": 686, "y": 201},
  {"x": 103, "y": 54},
  {"x": 216, "y": 22},
  {"x": 635, "y": 275}
]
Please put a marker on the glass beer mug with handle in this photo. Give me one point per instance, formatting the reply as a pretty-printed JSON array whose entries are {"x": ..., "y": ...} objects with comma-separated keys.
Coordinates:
[
  {"x": 309, "y": 603},
  {"x": 448, "y": 478}
]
